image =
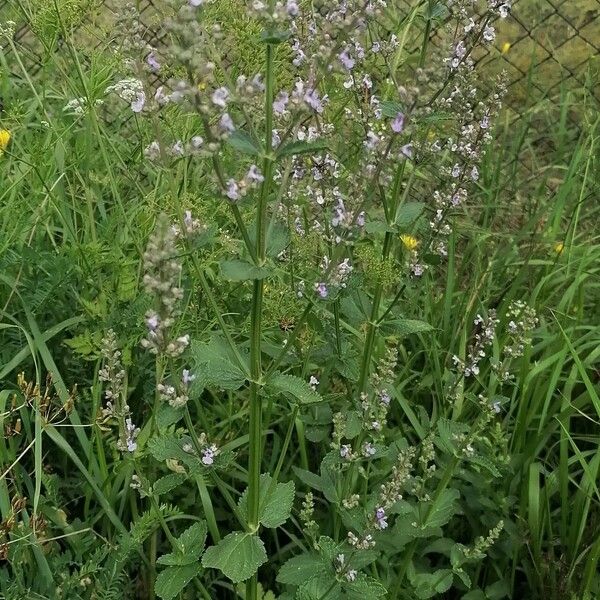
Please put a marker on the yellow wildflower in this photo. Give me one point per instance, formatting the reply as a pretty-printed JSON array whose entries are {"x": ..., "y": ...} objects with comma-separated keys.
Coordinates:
[
  {"x": 505, "y": 47},
  {"x": 409, "y": 241},
  {"x": 4, "y": 139},
  {"x": 559, "y": 247}
]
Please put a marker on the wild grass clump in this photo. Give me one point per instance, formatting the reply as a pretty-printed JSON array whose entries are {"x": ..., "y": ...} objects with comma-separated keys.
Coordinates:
[{"x": 290, "y": 309}]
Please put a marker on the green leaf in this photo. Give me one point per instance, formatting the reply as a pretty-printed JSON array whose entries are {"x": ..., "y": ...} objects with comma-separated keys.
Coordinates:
[
  {"x": 377, "y": 227},
  {"x": 404, "y": 327},
  {"x": 299, "y": 569},
  {"x": 443, "y": 509},
  {"x": 244, "y": 143},
  {"x": 240, "y": 270},
  {"x": 190, "y": 545},
  {"x": 301, "y": 147},
  {"x": 168, "y": 482},
  {"x": 275, "y": 506},
  {"x": 428, "y": 585},
  {"x": 237, "y": 555},
  {"x": 294, "y": 387},
  {"x": 318, "y": 588},
  {"x": 215, "y": 366},
  {"x": 408, "y": 213},
  {"x": 390, "y": 109},
  {"x": 173, "y": 579},
  {"x": 364, "y": 588}
]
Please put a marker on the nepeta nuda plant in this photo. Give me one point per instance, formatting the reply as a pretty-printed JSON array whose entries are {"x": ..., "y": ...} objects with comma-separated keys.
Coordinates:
[{"x": 301, "y": 267}]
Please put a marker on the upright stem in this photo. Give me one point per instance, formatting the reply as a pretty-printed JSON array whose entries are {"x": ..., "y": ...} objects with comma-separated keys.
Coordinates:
[{"x": 256, "y": 427}]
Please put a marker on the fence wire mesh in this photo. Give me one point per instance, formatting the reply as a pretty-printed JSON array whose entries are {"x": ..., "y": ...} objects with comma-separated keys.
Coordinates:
[{"x": 552, "y": 39}]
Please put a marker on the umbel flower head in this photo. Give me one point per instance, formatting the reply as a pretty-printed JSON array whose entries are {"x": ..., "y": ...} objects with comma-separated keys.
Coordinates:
[{"x": 4, "y": 140}]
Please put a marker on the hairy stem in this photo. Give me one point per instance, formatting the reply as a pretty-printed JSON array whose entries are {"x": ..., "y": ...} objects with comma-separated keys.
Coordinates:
[{"x": 256, "y": 417}]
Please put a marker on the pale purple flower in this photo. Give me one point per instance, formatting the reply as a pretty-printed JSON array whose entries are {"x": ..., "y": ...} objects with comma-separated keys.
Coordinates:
[
  {"x": 220, "y": 97},
  {"x": 226, "y": 123},
  {"x": 138, "y": 102},
  {"x": 398, "y": 123},
  {"x": 177, "y": 149},
  {"x": 417, "y": 269},
  {"x": 313, "y": 382},
  {"x": 187, "y": 377},
  {"x": 489, "y": 33},
  {"x": 292, "y": 8},
  {"x": 407, "y": 151},
  {"x": 380, "y": 518},
  {"x": 321, "y": 289},
  {"x": 197, "y": 142},
  {"x": 152, "y": 322},
  {"x": 195, "y": 3},
  {"x": 345, "y": 451},
  {"x": 347, "y": 61},
  {"x": 152, "y": 151},
  {"x": 351, "y": 575},
  {"x": 280, "y": 103},
  {"x": 254, "y": 175},
  {"x": 152, "y": 62},
  {"x": 313, "y": 100},
  {"x": 233, "y": 190}
]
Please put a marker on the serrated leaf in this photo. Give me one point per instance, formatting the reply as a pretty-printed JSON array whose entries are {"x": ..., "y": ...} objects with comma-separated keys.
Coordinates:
[
  {"x": 408, "y": 213},
  {"x": 215, "y": 366},
  {"x": 317, "y": 588},
  {"x": 299, "y": 569},
  {"x": 294, "y": 387},
  {"x": 364, "y": 588},
  {"x": 428, "y": 585},
  {"x": 167, "y": 415},
  {"x": 443, "y": 509},
  {"x": 244, "y": 143},
  {"x": 390, "y": 109},
  {"x": 168, "y": 482},
  {"x": 275, "y": 506},
  {"x": 377, "y": 227},
  {"x": 403, "y": 327},
  {"x": 173, "y": 579},
  {"x": 486, "y": 463},
  {"x": 312, "y": 480},
  {"x": 240, "y": 270},
  {"x": 301, "y": 147},
  {"x": 238, "y": 556}
]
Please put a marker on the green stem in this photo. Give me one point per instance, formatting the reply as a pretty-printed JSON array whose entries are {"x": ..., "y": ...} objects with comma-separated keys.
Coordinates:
[{"x": 256, "y": 425}]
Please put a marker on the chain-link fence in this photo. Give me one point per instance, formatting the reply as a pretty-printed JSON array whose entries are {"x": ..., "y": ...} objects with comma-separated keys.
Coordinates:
[{"x": 545, "y": 46}]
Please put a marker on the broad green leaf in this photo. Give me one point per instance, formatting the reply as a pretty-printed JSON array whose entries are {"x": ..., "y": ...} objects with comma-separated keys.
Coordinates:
[
  {"x": 242, "y": 142},
  {"x": 240, "y": 270},
  {"x": 299, "y": 569},
  {"x": 408, "y": 213},
  {"x": 301, "y": 147},
  {"x": 443, "y": 509},
  {"x": 168, "y": 482},
  {"x": 237, "y": 555},
  {"x": 190, "y": 546},
  {"x": 275, "y": 506},
  {"x": 390, "y": 109},
  {"x": 319, "y": 588},
  {"x": 403, "y": 327},
  {"x": 294, "y": 387},
  {"x": 428, "y": 585},
  {"x": 215, "y": 365},
  {"x": 173, "y": 579},
  {"x": 364, "y": 588},
  {"x": 378, "y": 227},
  {"x": 312, "y": 480}
]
